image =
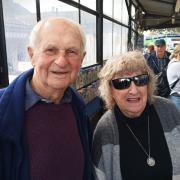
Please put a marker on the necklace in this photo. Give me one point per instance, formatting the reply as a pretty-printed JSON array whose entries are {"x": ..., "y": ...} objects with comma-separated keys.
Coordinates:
[{"x": 150, "y": 159}]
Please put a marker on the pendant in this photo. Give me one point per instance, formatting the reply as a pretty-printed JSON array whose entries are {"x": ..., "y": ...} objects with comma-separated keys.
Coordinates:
[{"x": 150, "y": 161}]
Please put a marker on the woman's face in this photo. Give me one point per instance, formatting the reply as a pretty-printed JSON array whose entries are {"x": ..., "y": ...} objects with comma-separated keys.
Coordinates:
[{"x": 132, "y": 100}]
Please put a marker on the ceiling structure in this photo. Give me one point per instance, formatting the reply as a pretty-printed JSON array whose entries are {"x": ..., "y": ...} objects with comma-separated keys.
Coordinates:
[{"x": 157, "y": 14}]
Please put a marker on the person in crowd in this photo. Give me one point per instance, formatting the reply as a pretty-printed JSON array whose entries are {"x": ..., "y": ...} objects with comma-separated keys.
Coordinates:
[
  {"x": 150, "y": 49},
  {"x": 138, "y": 136},
  {"x": 158, "y": 62},
  {"x": 159, "y": 59},
  {"x": 173, "y": 76},
  {"x": 44, "y": 131}
]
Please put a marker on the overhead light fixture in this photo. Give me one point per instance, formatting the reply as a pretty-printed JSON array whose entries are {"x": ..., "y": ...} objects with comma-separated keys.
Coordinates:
[{"x": 177, "y": 7}]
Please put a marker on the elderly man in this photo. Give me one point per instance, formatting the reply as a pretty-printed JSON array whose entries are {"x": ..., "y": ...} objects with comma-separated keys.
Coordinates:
[
  {"x": 159, "y": 59},
  {"x": 44, "y": 130},
  {"x": 158, "y": 62}
]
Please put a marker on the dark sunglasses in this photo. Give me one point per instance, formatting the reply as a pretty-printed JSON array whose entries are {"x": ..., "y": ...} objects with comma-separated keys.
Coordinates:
[{"x": 124, "y": 83}]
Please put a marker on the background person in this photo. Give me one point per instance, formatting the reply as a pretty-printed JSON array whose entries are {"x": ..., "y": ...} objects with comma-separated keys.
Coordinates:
[
  {"x": 44, "y": 130},
  {"x": 160, "y": 58},
  {"x": 173, "y": 75},
  {"x": 138, "y": 137},
  {"x": 158, "y": 62},
  {"x": 150, "y": 49}
]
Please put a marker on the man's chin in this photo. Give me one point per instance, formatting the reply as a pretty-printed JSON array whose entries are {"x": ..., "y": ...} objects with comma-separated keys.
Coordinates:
[{"x": 59, "y": 85}]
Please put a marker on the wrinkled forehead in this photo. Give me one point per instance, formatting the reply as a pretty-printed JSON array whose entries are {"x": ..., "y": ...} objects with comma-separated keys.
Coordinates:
[
  {"x": 61, "y": 27},
  {"x": 60, "y": 33}
]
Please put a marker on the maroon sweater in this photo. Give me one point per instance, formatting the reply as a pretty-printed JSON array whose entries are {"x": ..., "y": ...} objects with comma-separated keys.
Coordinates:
[{"x": 55, "y": 149}]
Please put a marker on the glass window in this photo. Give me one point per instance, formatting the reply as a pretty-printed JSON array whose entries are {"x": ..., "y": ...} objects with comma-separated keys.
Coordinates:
[
  {"x": 117, "y": 9},
  {"x": 88, "y": 22},
  {"x": 124, "y": 39},
  {"x": 58, "y": 9},
  {"x": 107, "y": 39},
  {"x": 19, "y": 19},
  {"x": 133, "y": 11},
  {"x": 133, "y": 16},
  {"x": 133, "y": 40},
  {"x": 107, "y": 7},
  {"x": 125, "y": 16},
  {"x": 116, "y": 39},
  {"x": 89, "y": 3}
]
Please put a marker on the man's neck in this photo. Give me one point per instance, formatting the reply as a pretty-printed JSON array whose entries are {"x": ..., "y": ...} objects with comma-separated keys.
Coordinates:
[{"x": 160, "y": 56}]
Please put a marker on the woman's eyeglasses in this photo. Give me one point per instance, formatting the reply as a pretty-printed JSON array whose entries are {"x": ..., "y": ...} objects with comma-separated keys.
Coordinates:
[{"x": 124, "y": 83}]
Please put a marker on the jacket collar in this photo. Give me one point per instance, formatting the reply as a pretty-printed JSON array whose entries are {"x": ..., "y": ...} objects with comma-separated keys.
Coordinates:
[
  {"x": 13, "y": 104},
  {"x": 12, "y": 107}
]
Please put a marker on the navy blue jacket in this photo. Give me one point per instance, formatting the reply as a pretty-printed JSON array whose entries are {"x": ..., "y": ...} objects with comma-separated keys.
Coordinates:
[
  {"x": 153, "y": 61},
  {"x": 14, "y": 162}
]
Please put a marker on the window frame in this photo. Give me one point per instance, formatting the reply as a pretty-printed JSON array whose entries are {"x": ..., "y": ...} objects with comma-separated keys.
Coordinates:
[{"x": 98, "y": 13}]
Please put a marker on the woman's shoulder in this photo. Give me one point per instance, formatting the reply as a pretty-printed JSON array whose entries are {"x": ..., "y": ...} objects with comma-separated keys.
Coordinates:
[
  {"x": 107, "y": 123},
  {"x": 166, "y": 108},
  {"x": 161, "y": 103},
  {"x": 174, "y": 63},
  {"x": 107, "y": 129},
  {"x": 107, "y": 118},
  {"x": 168, "y": 113}
]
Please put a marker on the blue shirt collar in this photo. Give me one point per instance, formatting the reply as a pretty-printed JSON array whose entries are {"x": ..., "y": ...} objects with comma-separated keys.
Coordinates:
[{"x": 32, "y": 98}]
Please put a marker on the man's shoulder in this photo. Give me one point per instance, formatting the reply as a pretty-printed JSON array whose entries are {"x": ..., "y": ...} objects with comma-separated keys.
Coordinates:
[
  {"x": 151, "y": 56},
  {"x": 2, "y": 91},
  {"x": 146, "y": 55},
  {"x": 152, "y": 60},
  {"x": 76, "y": 97},
  {"x": 15, "y": 88},
  {"x": 168, "y": 53}
]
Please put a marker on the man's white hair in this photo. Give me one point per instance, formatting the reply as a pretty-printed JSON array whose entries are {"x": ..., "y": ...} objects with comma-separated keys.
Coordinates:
[{"x": 35, "y": 35}]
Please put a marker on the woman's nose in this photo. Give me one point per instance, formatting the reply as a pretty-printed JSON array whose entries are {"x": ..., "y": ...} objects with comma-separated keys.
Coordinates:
[{"x": 133, "y": 88}]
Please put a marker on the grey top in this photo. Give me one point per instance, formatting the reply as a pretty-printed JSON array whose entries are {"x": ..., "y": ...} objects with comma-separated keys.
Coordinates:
[
  {"x": 106, "y": 146},
  {"x": 173, "y": 73}
]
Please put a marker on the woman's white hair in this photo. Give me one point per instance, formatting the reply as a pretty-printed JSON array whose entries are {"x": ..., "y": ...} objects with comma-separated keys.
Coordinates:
[
  {"x": 176, "y": 52},
  {"x": 129, "y": 62}
]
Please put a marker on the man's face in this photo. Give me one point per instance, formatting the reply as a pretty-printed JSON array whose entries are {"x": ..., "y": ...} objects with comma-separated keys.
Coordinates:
[
  {"x": 59, "y": 57},
  {"x": 160, "y": 50}
]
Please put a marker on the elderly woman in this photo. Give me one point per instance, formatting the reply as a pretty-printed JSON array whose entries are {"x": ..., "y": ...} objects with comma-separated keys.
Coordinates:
[{"x": 138, "y": 138}]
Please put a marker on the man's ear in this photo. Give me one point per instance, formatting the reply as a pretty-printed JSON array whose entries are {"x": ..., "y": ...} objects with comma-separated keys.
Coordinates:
[
  {"x": 31, "y": 54},
  {"x": 84, "y": 54}
]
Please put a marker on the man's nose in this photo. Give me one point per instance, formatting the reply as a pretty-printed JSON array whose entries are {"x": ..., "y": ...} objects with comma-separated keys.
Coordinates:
[{"x": 61, "y": 58}]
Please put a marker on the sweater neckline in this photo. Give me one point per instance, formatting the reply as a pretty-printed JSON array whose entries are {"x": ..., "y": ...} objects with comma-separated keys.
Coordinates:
[{"x": 138, "y": 121}]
